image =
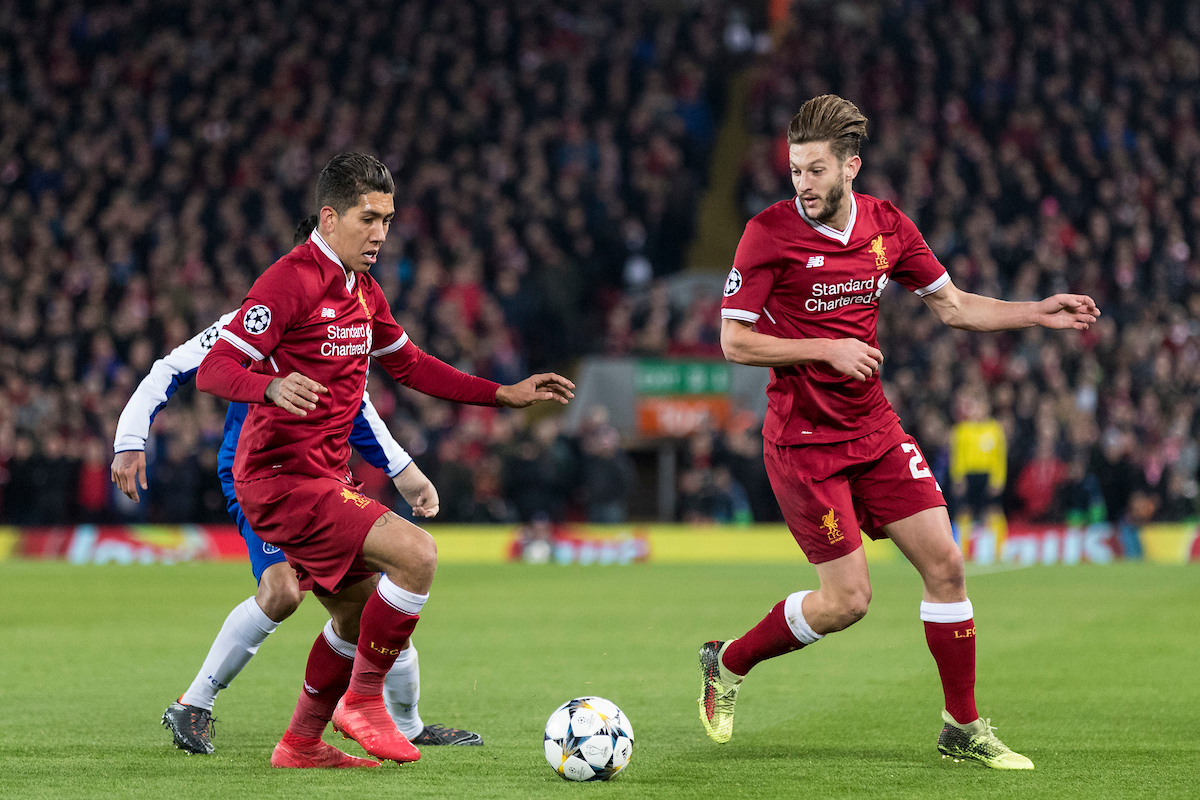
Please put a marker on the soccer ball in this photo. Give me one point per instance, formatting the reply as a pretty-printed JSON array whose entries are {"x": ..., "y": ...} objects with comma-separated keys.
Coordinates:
[{"x": 588, "y": 739}]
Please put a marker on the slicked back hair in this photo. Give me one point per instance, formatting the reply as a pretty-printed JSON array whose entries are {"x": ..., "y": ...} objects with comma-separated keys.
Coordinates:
[
  {"x": 832, "y": 119},
  {"x": 347, "y": 177}
]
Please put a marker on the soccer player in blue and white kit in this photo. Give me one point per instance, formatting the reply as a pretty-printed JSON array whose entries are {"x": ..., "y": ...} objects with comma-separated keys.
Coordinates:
[{"x": 279, "y": 595}]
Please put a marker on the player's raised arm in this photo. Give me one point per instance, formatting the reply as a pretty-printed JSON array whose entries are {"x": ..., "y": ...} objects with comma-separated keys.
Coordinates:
[
  {"x": 166, "y": 375},
  {"x": 416, "y": 369},
  {"x": 973, "y": 312}
]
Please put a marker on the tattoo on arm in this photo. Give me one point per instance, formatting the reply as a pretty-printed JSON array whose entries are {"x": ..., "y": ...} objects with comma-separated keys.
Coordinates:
[{"x": 385, "y": 518}]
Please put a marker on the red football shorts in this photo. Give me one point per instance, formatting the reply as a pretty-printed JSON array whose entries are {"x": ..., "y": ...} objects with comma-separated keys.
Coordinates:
[
  {"x": 319, "y": 523},
  {"x": 828, "y": 492}
]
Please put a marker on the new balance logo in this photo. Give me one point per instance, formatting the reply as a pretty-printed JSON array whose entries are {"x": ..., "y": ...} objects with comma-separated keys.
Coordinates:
[
  {"x": 815, "y": 261},
  {"x": 328, "y": 313}
]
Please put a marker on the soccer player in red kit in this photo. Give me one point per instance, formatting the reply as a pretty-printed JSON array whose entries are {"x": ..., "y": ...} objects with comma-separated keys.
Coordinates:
[
  {"x": 307, "y": 330},
  {"x": 802, "y": 298}
]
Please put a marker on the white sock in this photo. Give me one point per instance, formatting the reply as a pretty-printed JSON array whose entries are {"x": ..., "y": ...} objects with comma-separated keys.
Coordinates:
[
  {"x": 946, "y": 612},
  {"x": 727, "y": 675},
  {"x": 401, "y": 599},
  {"x": 244, "y": 630},
  {"x": 402, "y": 690},
  {"x": 337, "y": 643},
  {"x": 793, "y": 612}
]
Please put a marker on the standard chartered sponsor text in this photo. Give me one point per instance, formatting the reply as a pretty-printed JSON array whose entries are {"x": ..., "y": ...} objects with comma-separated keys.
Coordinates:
[
  {"x": 840, "y": 295},
  {"x": 335, "y": 332},
  {"x": 331, "y": 349},
  {"x": 348, "y": 332}
]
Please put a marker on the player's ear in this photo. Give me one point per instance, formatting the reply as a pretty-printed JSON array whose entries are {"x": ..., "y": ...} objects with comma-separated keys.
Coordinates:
[
  {"x": 852, "y": 166},
  {"x": 327, "y": 219}
]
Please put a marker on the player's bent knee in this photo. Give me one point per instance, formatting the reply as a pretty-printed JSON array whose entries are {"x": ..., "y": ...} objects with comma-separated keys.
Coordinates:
[
  {"x": 400, "y": 548},
  {"x": 280, "y": 602},
  {"x": 279, "y": 593},
  {"x": 852, "y": 607}
]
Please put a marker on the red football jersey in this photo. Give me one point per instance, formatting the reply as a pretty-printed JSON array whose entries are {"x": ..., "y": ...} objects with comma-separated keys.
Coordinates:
[
  {"x": 307, "y": 314},
  {"x": 795, "y": 278}
]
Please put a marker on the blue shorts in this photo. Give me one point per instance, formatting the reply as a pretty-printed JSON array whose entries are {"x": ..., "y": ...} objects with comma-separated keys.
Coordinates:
[{"x": 262, "y": 554}]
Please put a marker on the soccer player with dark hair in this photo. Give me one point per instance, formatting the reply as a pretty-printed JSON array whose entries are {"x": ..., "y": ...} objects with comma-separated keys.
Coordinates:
[
  {"x": 249, "y": 624},
  {"x": 307, "y": 331},
  {"x": 802, "y": 298}
]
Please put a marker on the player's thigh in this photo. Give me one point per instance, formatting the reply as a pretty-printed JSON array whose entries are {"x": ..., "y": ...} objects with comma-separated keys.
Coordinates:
[
  {"x": 894, "y": 486},
  {"x": 927, "y": 541},
  {"x": 819, "y": 513},
  {"x": 395, "y": 545}
]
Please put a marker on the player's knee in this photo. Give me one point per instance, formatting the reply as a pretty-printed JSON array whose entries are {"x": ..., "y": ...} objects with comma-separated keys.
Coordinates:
[
  {"x": 423, "y": 555},
  {"x": 409, "y": 551},
  {"x": 281, "y": 601},
  {"x": 947, "y": 577},
  {"x": 852, "y": 606},
  {"x": 279, "y": 592}
]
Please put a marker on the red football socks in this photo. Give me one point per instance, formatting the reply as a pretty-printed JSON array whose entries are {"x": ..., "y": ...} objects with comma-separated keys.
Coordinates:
[
  {"x": 953, "y": 648},
  {"x": 769, "y": 638},
  {"x": 383, "y": 632},
  {"x": 325, "y": 680}
]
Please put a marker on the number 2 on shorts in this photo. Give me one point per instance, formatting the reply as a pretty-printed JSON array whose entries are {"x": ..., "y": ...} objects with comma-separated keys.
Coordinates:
[{"x": 914, "y": 467}]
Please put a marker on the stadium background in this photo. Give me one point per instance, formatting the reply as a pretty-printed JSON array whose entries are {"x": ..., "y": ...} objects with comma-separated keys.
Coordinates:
[
  {"x": 571, "y": 181},
  {"x": 573, "y": 178}
]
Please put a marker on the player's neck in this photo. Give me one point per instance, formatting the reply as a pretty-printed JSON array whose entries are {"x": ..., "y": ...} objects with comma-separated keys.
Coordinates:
[
  {"x": 323, "y": 244},
  {"x": 330, "y": 249}
]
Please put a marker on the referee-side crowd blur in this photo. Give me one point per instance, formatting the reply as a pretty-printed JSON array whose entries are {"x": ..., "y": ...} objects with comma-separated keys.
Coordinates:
[{"x": 550, "y": 160}]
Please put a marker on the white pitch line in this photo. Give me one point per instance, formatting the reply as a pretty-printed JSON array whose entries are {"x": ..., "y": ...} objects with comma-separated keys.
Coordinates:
[{"x": 973, "y": 570}]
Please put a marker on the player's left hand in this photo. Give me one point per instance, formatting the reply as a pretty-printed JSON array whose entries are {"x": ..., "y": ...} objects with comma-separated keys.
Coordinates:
[
  {"x": 418, "y": 491},
  {"x": 1063, "y": 311},
  {"x": 129, "y": 472},
  {"x": 536, "y": 389}
]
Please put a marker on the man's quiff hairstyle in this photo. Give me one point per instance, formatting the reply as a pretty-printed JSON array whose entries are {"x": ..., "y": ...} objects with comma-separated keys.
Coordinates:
[
  {"x": 347, "y": 177},
  {"x": 832, "y": 119}
]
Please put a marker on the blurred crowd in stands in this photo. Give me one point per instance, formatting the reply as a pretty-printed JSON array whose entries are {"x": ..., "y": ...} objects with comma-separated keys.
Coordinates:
[
  {"x": 549, "y": 157},
  {"x": 155, "y": 157}
]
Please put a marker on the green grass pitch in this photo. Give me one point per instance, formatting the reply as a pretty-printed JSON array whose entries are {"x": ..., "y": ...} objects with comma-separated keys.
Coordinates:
[{"x": 1093, "y": 672}]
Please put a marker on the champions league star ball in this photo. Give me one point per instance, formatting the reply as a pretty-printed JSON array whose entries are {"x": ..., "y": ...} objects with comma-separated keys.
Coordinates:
[{"x": 588, "y": 739}]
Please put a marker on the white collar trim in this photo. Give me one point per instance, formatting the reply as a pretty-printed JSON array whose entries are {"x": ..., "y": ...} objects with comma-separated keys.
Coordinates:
[
  {"x": 324, "y": 247},
  {"x": 821, "y": 227}
]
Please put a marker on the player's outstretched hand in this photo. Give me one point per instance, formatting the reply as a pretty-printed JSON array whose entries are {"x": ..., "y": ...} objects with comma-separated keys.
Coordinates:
[
  {"x": 536, "y": 389},
  {"x": 418, "y": 491},
  {"x": 295, "y": 394},
  {"x": 854, "y": 358},
  {"x": 129, "y": 472},
  {"x": 1063, "y": 311}
]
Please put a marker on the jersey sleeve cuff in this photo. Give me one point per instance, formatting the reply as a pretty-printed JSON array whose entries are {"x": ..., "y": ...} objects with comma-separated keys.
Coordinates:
[
  {"x": 739, "y": 314},
  {"x": 933, "y": 287},
  {"x": 400, "y": 466}
]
